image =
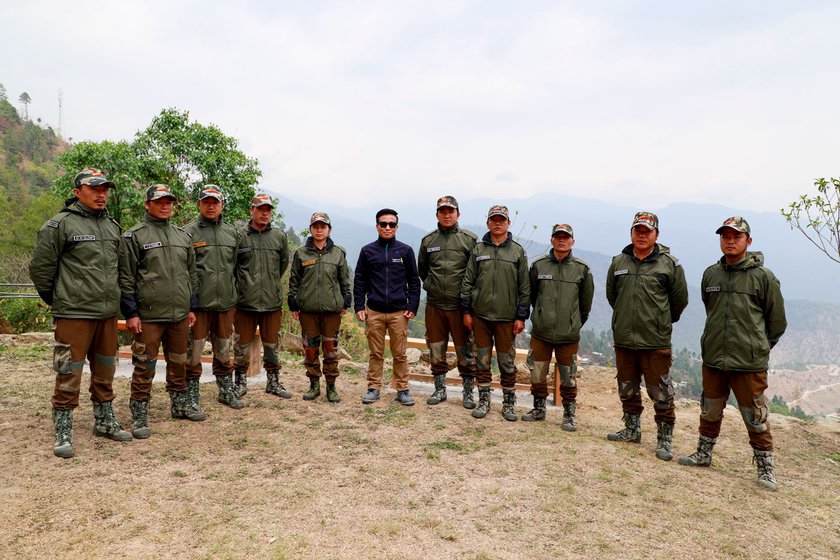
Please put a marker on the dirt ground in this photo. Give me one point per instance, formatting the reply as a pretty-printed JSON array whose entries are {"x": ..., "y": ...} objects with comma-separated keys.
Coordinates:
[{"x": 295, "y": 479}]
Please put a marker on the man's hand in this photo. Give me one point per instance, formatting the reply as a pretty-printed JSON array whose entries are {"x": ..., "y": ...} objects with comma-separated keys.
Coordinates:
[
  {"x": 342, "y": 313},
  {"x": 296, "y": 315},
  {"x": 518, "y": 327},
  {"x": 134, "y": 325},
  {"x": 190, "y": 319},
  {"x": 409, "y": 314},
  {"x": 361, "y": 315},
  {"x": 468, "y": 321}
]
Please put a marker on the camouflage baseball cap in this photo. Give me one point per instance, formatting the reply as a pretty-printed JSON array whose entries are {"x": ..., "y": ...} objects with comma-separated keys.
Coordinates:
[
  {"x": 562, "y": 228},
  {"x": 91, "y": 177},
  {"x": 735, "y": 222},
  {"x": 498, "y": 210},
  {"x": 261, "y": 200},
  {"x": 156, "y": 192},
  {"x": 447, "y": 202},
  {"x": 320, "y": 217},
  {"x": 211, "y": 191},
  {"x": 647, "y": 219}
]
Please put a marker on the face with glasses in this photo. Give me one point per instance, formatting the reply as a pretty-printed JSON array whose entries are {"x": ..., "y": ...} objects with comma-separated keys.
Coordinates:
[{"x": 386, "y": 226}]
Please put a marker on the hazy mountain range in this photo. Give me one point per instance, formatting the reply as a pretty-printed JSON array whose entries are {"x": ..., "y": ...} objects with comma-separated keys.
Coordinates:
[{"x": 810, "y": 281}]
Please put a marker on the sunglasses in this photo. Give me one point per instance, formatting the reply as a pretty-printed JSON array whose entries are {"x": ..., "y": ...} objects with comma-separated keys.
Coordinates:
[{"x": 392, "y": 225}]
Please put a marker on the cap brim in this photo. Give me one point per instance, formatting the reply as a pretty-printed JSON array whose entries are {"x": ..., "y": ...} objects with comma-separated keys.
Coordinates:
[
  {"x": 447, "y": 205},
  {"x": 99, "y": 181},
  {"x": 497, "y": 214},
  {"x": 172, "y": 196},
  {"x": 644, "y": 224},
  {"x": 721, "y": 228},
  {"x": 216, "y": 196}
]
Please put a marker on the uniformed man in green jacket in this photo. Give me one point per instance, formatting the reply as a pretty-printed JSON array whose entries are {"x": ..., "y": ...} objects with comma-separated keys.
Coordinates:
[
  {"x": 319, "y": 296},
  {"x": 262, "y": 258},
  {"x": 159, "y": 294},
  {"x": 646, "y": 289},
  {"x": 561, "y": 294},
  {"x": 441, "y": 264},
  {"x": 745, "y": 318},
  {"x": 74, "y": 269},
  {"x": 495, "y": 299},
  {"x": 214, "y": 242}
]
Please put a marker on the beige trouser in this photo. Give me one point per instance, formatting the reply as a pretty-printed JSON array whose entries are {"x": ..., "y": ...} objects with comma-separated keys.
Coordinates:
[{"x": 396, "y": 324}]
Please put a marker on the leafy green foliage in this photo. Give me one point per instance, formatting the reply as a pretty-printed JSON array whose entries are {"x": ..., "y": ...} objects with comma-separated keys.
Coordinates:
[
  {"x": 174, "y": 151},
  {"x": 26, "y": 315},
  {"x": 817, "y": 217}
]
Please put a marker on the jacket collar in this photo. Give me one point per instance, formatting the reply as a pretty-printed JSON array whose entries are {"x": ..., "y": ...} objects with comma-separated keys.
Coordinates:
[
  {"x": 251, "y": 228},
  {"x": 553, "y": 258},
  {"x": 651, "y": 257},
  {"x": 204, "y": 222},
  {"x": 489, "y": 239},
  {"x": 453, "y": 229},
  {"x": 310, "y": 244},
  {"x": 385, "y": 242},
  {"x": 73, "y": 205},
  {"x": 156, "y": 221}
]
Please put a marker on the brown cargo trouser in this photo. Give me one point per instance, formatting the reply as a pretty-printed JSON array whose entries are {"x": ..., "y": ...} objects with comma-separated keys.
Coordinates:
[
  {"x": 317, "y": 330},
  {"x": 76, "y": 339},
  {"x": 218, "y": 325},
  {"x": 439, "y": 325},
  {"x": 539, "y": 359},
  {"x": 654, "y": 366},
  {"x": 396, "y": 324},
  {"x": 500, "y": 333},
  {"x": 246, "y": 324},
  {"x": 175, "y": 336},
  {"x": 749, "y": 390}
]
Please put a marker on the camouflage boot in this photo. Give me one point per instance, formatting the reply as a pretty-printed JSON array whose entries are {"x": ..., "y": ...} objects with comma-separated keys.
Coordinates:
[
  {"x": 664, "y": 438},
  {"x": 181, "y": 407},
  {"x": 703, "y": 456},
  {"x": 274, "y": 387},
  {"x": 537, "y": 414},
  {"x": 241, "y": 384},
  {"x": 105, "y": 423},
  {"x": 508, "y": 402},
  {"x": 227, "y": 392},
  {"x": 440, "y": 390},
  {"x": 469, "y": 402},
  {"x": 632, "y": 432},
  {"x": 193, "y": 400},
  {"x": 139, "y": 419},
  {"x": 764, "y": 464},
  {"x": 63, "y": 422},
  {"x": 332, "y": 394},
  {"x": 568, "y": 424},
  {"x": 314, "y": 389},
  {"x": 483, "y": 403}
]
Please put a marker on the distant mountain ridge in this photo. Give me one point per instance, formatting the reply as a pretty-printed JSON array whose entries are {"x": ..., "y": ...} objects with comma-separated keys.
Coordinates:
[{"x": 813, "y": 334}]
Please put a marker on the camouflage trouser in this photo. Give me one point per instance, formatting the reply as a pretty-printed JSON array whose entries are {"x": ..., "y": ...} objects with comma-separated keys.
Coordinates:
[
  {"x": 75, "y": 340},
  {"x": 175, "y": 337},
  {"x": 439, "y": 325},
  {"x": 320, "y": 330},
  {"x": 749, "y": 390},
  {"x": 654, "y": 366},
  {"x": 246, "y": 324},
  {"x": 539, "y": 359},
  {"x": 498, "y": 333},
  {"x": 218, "y": 325}
]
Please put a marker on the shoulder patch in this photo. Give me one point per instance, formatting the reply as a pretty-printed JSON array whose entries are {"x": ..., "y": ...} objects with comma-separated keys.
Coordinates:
[
  {"x": 154, "y": 245},
  {"x": 712, "y": 289},
  {"x": 545, "y": 277},
  {"x": 483, "y": 258},
  {"x": 309, "y": 263},
  {"x": 129, "y": 233},
  {"x": 84, "y": 238},
  {"x": 198, "y": 244},
  {"x": 621, "y": 272},
  {"x": 52, "y": 223},
  {"x": 432, "y": 249}
]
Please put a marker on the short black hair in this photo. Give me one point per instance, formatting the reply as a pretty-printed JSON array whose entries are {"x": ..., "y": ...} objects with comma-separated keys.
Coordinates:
[{"x": 385, "y": 211}]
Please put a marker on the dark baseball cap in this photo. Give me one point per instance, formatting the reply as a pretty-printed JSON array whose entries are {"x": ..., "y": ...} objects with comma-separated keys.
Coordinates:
[
  {"x": 211, "y": 191},
  {"x": 91, "y": 177},
  {"x": 156, "y": 192}
]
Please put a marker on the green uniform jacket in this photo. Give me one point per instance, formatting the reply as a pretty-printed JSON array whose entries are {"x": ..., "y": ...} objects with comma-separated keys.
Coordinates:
[
  {"x": 319, "y": 281},
  {"x": 745, "y": 314},
  {"x": 75, "y": 266},
  {"x": 495, "y": 285},
  {"x": 441, "y": 264},
  {"x": 215, "y": 246},
  {"x": 561, "y": 293},
  {"x": 261, "y": 260},
  {"x": 647, "y": 297},
  {"x": 158, "y": 279}
]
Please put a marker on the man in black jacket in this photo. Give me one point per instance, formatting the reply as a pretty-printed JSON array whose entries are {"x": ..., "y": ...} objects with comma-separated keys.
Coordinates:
[{"x": 386, "y": 292}]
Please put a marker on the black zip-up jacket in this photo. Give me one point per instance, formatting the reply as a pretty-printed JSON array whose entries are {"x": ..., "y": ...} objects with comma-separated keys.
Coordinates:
[{"x": 386, "y": 277}]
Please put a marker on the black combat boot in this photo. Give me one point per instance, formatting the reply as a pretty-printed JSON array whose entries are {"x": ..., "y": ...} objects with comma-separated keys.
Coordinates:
[
  {"x": 764, "y": 464},
  {"x": 469, "y": 402},
  {"x": 440, "y": 390},
  {"x": 632, "y": 431},
  {"x": 568, "y": 424},
  {"x": 703, "y": 456},
  {"x": 483, "y": 403},
  {"x": 508, "y": 403},
  {"x": 139, "y": 419},
  {"x": 227, "y": 392},
  {"x": 664, "y": 439},
  {"x": 537, "y": 414}
]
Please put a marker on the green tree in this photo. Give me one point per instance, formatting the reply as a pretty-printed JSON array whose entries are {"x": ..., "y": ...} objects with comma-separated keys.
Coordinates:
[
  {"x": 817, "y": 217},
  {"x": 172, "y": 150},
  {"x": 3, "y": 95},
  {"x": 26, "y": 100}
]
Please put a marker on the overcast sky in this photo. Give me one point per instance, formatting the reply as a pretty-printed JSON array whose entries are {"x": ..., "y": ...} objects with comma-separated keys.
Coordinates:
[{"x": 639, "y": 103}]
